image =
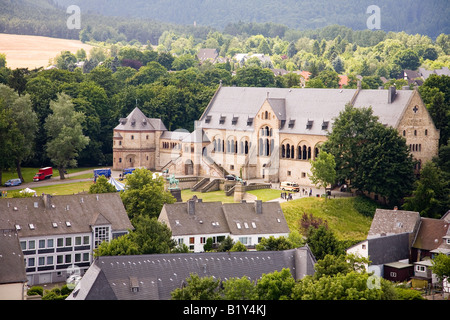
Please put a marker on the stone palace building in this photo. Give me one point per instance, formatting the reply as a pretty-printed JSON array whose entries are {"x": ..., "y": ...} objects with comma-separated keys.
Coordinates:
[{"x": 268, "y": 133}]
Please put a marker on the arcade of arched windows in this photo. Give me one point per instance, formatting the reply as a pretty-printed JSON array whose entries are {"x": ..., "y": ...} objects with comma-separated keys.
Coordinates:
[
  {"x": 301, "y": 152},
  {"x": 170, "y": 145},
  {"x": 231, "y": 145}
]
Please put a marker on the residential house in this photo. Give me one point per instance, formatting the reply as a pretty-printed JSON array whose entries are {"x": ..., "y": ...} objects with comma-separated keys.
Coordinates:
[
  {"x": 383, "y": 250},
  {"x": 58, "y": 234},
  {"x": 433, "y": 237},
  {"x": 155, "y": 276},
  {"x": 194, "y": 221},
  {"x": 414, "y": 78},
  {"x": 13, "y": 279},
  {"x": 343, "y": 80},
  {"x": 426, "y": 73},
  {"x": 401, "y": 245},
  {"x": 206, "y": 54},
  {"x": 264, "y": 60}
]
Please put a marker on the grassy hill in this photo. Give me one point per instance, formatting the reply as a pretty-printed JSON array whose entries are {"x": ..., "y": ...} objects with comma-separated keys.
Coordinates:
[{"x": 340, "y": 213}]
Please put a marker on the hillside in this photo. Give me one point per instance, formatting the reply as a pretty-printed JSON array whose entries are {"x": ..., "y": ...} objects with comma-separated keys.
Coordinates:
[
  {"x": 342, "y": 217},
  {"x": 412, "y": 16}
]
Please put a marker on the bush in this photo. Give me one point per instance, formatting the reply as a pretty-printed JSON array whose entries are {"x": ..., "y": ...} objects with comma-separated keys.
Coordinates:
[
  {"x": 35, "y": 291},
  {"x": 408, "y": 294},
  {"x": 365, "y": 206}
]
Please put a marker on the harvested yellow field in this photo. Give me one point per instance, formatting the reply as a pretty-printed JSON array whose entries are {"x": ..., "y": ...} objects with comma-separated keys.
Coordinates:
[{"x": 34, "y": 51}]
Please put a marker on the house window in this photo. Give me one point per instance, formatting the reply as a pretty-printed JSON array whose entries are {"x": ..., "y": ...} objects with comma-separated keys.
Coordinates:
[
  {"x": 420, "y": 268},
  {"x": 132, "y": 137},
  {"x": 202, "y": 240},
  {"x": 288, "y": 173},
  {"x": 393, "y": 274},
  {"x": 363, "y": 247},
  {"x": 426, "y": 132},
  {"x": 101, "y": 234},
  {"x": 191, "y": 240},
  {"x": 245, "y": 240}
]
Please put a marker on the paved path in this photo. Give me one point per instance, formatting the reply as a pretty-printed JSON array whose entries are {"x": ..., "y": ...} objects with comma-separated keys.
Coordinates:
[{"x": 53, "y": 181}]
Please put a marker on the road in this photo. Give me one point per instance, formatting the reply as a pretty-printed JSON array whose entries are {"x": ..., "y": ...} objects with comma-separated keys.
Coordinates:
[{"x": 50, "y": 182}]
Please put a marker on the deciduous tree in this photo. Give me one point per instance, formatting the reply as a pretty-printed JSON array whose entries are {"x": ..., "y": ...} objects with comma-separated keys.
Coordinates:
[{"x": 64, "y": 129}]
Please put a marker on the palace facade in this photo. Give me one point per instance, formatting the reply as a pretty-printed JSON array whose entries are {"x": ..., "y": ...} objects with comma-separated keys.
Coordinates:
[{"x": 266, "y": 133}]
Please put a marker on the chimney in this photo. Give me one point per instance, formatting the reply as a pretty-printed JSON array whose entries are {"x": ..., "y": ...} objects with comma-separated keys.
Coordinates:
[
  {"x": 391, "y": 94},
  {"x": 258, "y": 206},
  {"x": 47, "y": 200},
  {"x": 191, "y": 206},
  {"x": 358, "y": 84}
]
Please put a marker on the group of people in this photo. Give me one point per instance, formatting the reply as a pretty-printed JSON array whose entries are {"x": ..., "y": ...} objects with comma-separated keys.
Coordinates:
[{"x": 288, "y": 195}]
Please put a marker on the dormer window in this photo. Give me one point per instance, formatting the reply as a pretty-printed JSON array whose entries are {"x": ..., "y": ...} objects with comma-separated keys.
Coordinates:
[
  {"x": 325, "y": 125},
  {"x": 309, "y": 124},
  {"x": 249, "y": 121},
  {"x": 291, "y": 123},
  {"x": 234, "y": 120},
  {"x": 222, "y": 119},
  {"x": 208, "y": 119}
]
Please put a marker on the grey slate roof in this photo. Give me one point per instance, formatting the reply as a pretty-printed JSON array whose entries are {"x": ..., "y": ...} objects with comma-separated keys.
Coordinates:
[
  {"x": 388, "y": 113},
  {"x": 207, "y": 219},
  {"x": 301, "y": 105},
  {"x": 389, "y": 222},
  {"x": 215, "y": 217},
  {"x": 137, "y": 121},
  {"x": 270, "y": 220},
  {"x": 12, "y": 265},
  {"x": 157, "y": 275},
  {"x": 82, "y": 211}
]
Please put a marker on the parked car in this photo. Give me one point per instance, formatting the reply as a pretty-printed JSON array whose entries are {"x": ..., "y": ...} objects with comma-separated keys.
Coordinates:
[
  {"x": 289, "y": 186},
  {"x": 230, "y": 177},
  {"x": 13, "y": 182}
]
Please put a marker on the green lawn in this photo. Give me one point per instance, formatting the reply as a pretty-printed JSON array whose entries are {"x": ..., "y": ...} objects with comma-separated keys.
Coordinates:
[
  {"x": 266, "y": 194},
  {"x": 59, "y": 189},
  {"x": 342, "y": 217},
  {"x": 207, "y": 196}
]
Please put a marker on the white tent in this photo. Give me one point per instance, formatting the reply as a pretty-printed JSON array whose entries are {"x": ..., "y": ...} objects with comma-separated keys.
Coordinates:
[
  {"x": 119, "y": 186},
  {"x": 28, "y": 190}
]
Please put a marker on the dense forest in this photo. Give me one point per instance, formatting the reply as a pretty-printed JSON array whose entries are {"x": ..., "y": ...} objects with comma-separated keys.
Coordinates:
[
  {"x": 291, "y": 19},
  {"x": 412, "y": 16}
]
